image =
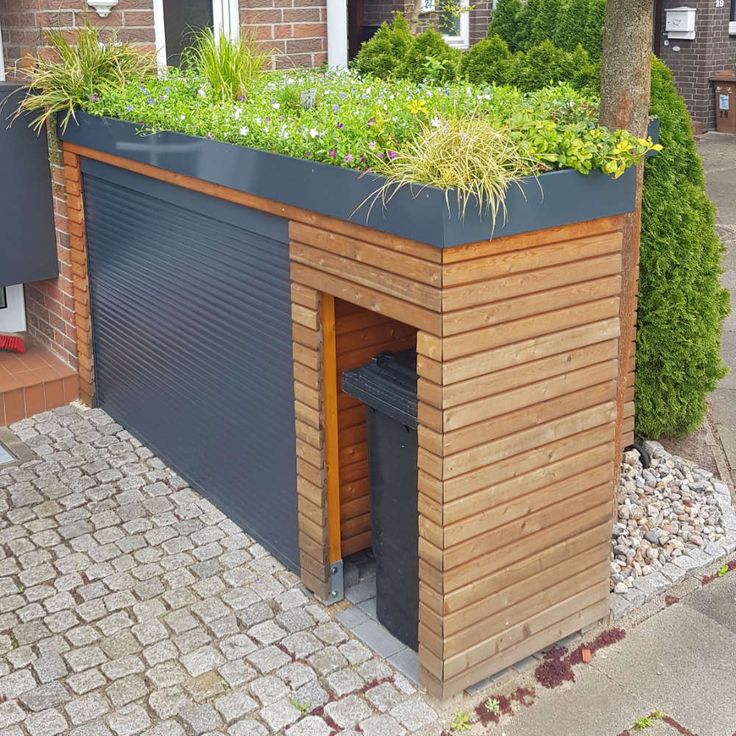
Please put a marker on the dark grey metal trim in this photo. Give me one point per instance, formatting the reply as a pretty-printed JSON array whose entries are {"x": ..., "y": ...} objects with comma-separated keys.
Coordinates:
[
  {"x": 28, "y": 240},
  {"x": 420, "y": 213}
]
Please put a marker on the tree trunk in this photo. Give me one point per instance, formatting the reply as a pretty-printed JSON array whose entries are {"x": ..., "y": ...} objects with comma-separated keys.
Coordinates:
[{"x": 625, "y": 91}]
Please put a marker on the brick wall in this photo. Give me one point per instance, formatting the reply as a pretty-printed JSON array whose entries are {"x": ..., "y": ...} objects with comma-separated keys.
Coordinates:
[
  {"x": 296, "y": 30},
  {"x": 692, "y": 62}
]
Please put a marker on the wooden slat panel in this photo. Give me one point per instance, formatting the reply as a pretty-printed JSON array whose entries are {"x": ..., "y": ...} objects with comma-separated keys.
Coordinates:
[
  {"x": 414, "y": 292},
  {"x": 490, "y": 616},
  {"x": 529, "y": 259},
  {"x": 506, "y": 379},
  {"x": 528, "y": 282},
  {"x": 528, "y": 327},
  {"x": 369, "y": 298},
  {"x": 488, "y": 453},
  {"x": 496, "y": 246},
  {"x": 529, "y": 394},
  {"x": 537, "y": 303},
  {"x": 529, "y": 350},
  {"x": 410, "y": 261}
]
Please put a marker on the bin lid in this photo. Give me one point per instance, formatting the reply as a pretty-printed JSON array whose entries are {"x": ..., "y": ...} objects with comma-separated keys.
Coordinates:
[{"x": 387, "y": 384}]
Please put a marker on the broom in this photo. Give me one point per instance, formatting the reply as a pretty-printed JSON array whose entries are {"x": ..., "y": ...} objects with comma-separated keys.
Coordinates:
[{"x": 12, "y": 343}]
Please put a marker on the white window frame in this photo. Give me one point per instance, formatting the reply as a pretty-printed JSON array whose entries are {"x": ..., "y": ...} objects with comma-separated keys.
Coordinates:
[
  {"x": 225, "y": 18},
  {"x": 13, "y": 314},
  {"x": 2, "y": 57},
  {"x": 463, "y": 40}
]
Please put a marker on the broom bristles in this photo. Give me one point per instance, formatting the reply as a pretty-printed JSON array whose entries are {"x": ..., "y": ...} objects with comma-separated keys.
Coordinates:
[{"x": 12, "y": 343}]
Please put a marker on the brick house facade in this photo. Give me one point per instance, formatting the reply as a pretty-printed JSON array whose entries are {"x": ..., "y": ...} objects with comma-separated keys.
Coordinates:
[
  {"x": 693, "y": 61},
  {"x": 296, "y": 30}
]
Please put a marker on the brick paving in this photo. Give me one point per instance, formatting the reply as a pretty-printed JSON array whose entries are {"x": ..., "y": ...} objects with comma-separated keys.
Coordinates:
[{"x": 131, "y": 605}]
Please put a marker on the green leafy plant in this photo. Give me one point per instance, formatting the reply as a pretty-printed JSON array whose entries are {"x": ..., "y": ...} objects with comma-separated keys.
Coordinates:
[
  {"x": 492, "y": 706},
  {"x": 682, "y": 304},
  {"x": 488, "y": 62},
  {"x": 461, "y": 722},
  {"x": 384, "y": 54},
  {"x": 645, "y": 722},
  {"x": 467, "y": 157},
  {"x": 722, "y": 571},
  {"x": 229, "y": 66},
  {"x": 505, "y": 21},
  {"x": 302, "y": 707},
  {"x": 78, "y": 70},
  {"x": 430, "y": 53}
]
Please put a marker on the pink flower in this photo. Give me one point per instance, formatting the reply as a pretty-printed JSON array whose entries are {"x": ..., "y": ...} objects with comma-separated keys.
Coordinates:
[
  {"x": 332, "y": 153},
  {"x": 393, "y": 154},
  {"x": 349, "y": 158}
]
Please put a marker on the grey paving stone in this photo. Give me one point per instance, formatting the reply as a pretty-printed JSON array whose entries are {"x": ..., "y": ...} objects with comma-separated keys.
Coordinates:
[
  {"x": 126, "y": 690},
  {"x": 10, "y": 713},
  {"x": 384, "y": 697},
  {"x": 269, "y": 689},
  {"x": 382, "y": 725},
  {"x": 46, "y": 723},
  {"x": 129, "y": 721},
  {"x": 247, "y": 727},
  {"x": 378, "y": 638},
  {"x": 309, "y": 726},
  {"x": 235, "y": 705},
  {"x": 414, "y": 714},
  {"x": 201, "y": 718},
  {"x": 406, "y": 661},
  {"x": 87, "y": 708},
  {"x": 145, "y": 611},
  {"x": 279, "y": 715},
  {"x": 348, "y": 711},
  {"x": 49, "y": 667},
  {"x": 45, "y": 697}
]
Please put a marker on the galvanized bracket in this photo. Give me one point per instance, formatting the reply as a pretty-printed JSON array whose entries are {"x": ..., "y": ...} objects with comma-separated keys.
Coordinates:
[{"x": 337, "y": 585}]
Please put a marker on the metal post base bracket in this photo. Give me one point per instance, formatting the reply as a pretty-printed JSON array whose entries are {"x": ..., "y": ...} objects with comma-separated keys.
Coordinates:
[{"x": 337, "y": 585}]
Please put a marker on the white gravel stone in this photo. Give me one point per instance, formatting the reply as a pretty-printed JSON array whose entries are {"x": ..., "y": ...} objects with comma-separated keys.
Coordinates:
[{"x": 672, "y": 518}]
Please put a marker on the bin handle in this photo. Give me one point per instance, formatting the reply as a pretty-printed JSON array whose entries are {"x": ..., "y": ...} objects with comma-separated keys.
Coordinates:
[{"x": 382, "y": 357}]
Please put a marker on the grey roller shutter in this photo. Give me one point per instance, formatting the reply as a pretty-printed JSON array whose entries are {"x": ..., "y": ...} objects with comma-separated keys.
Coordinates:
[{"x": 191, "y": 320}]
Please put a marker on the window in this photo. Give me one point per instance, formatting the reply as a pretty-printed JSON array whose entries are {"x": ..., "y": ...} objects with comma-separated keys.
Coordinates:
[
  {"x": 2, "y": 60},
  {"x": 176, "y": 20},
  {"x": 455, "y": 22},
  {"x": 732, "y": 25}
]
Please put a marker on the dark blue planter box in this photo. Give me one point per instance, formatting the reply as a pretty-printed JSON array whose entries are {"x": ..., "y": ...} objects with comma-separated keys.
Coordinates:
[{"x": 419, "y": 213}]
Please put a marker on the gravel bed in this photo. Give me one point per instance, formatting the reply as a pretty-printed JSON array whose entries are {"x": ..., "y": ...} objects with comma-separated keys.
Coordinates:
[{"x": 672, "y": 517}]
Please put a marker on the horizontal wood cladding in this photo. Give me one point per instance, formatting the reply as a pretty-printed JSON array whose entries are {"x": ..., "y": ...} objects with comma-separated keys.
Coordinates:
[
  {"x": 359, "y": 335},
  {"x": 517, "y": 461},
  {"x": 518, "y": 366},
  {"x": 307, "y": 343}
]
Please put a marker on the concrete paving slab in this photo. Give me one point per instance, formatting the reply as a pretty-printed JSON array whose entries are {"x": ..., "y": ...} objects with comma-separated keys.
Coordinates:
[
  {"x": 593, "y": 706},
  {"x": 717, "y": 601},
  {"x": 682, "y": 662}
]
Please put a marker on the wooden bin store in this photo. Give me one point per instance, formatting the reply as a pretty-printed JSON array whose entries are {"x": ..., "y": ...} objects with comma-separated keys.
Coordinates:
[{"x": 221, "y": 292}]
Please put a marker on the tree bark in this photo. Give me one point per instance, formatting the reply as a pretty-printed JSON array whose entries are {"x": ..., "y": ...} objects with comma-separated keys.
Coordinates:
[{"x": 625, "y": 92}]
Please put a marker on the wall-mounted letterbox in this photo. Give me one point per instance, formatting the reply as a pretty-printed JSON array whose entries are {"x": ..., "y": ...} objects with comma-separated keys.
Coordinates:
[{"x": 680, "y": 23}]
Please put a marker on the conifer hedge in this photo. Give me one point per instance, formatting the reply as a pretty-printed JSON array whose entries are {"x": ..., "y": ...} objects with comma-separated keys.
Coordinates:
[{"x": 682, "y": 304}]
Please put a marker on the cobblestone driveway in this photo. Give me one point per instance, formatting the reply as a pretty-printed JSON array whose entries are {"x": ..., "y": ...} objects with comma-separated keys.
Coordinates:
[{"x": 130, "y": 605}]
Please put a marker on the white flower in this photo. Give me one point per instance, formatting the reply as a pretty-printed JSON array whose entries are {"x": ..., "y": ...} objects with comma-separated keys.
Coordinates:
[
  {"x": 276, "y": 106},
  {"x": 314, "y": 133},
  {"x": 201, "y": 92},
  {"x": 244, "y": 131},
  {"x": 435, "y": 122},
  {"x": 182, "y": 117},
  {"x": 238, "y": 112}
]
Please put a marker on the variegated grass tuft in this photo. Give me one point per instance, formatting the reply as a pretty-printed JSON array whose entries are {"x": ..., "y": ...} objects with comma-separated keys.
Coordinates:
[
  {"x": 229, "y": 66},
  {"x": 473, "y": 161},
  {"x": 79, "y": 66}
]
